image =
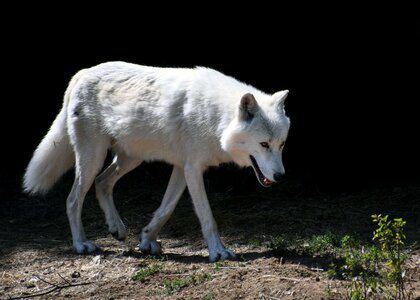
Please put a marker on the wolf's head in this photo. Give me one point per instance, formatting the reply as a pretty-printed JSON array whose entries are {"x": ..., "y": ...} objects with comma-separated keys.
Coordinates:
[{"x": 257, "y": 135}]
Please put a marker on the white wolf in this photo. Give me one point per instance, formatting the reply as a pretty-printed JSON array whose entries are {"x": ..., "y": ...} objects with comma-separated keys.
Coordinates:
[{"x": 190, "y": 118}]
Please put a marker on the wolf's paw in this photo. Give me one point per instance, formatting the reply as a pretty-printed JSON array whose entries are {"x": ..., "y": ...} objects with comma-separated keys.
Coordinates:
[
  {"x": 117, "y": 229},
  {"x": 150, "y": 247},
  {"x": 85, "y": 247},
  {"x": 221, "y": 254}
]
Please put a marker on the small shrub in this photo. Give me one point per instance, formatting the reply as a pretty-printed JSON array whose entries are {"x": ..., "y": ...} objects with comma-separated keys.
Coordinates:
[
  {"x": 349, "y": 241},
  {"x": 391, "y": 238},
  {"x": 374, "y": 270}
]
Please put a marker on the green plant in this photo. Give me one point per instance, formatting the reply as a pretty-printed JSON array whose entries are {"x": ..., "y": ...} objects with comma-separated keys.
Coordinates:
[
  {"x": 279, "y": 243},
  {"x": 374, "y": 270},
  {"x": 146, "y": 272},
  {"x": 360, "y": 266},
  {"x": 219, "y": 264},
  {"x": 348, "y": 242},
  {"x": 363, "y": 267},
  {"x": 327, "y": 244},
  {"x": 390, "y": 235},
  {"x": 175, "y": 285},
  {"x": 323, "y": 244},
  {"x": 255, "y": 243}
]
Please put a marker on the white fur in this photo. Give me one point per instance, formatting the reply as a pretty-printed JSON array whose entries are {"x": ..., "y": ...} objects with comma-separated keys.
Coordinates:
[{"x": 190, "y": 118}]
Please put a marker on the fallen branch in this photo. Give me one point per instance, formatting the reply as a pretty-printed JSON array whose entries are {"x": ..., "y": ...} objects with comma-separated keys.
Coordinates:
[{"x": 55, "y": 287}]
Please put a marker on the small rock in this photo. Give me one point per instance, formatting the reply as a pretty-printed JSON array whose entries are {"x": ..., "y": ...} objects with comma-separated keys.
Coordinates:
[
  {"x": 96, "y": 260},
  {"x": 33, "y": 280},
  {"x": 75, "y": 274}
]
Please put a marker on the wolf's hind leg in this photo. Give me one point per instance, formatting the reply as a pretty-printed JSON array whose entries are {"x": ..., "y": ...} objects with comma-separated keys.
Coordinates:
[
  {"x": 173, "y": 192},
  {"x": 104, "y": 184},
  {"x": 89, "y": 160}
]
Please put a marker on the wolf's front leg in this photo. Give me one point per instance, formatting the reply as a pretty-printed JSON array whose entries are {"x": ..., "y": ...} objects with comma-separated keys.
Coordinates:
[
  {"x": 176, "y": 187},
  {"x": 194, "y": 178}
]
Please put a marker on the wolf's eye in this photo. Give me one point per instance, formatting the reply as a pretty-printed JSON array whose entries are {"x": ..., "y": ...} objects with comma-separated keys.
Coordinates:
[
  {"x": 265, "y": 145},
  {"x": 281, "y": 145}
]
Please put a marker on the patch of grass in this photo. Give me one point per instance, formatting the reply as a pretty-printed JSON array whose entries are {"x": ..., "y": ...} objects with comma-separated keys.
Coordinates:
[
  {"x": 219, "y": 264},
  {"x": 328, "y": 244},
  {"x": 322, "y": 245},
  {"x": 175, "y": 285},
  {"x": 144, "y": 273},
  {"x": 255, "y": 243},
  {"x": 280, "y": 243}
]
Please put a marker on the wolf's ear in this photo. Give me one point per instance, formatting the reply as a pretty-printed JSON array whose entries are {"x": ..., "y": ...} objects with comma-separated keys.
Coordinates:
[
  {"x": 279, "y": 98},
  {"x": 248, "y": 107}
]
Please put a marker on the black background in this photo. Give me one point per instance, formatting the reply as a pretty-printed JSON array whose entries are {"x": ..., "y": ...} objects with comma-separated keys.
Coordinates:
[{"x": 353, "y": 77}]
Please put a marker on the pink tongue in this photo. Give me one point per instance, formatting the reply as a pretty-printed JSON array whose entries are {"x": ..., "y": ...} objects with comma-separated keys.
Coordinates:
[{"x": 267, "y": 181}]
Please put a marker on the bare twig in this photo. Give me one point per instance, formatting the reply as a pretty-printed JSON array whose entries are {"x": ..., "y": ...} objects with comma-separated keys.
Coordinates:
[
  {"x": 241, "y": 268},
  {"x": 43, "y": 280},
  {"x": 283, "y": 277},
  {"x": 317, "y": 269},
  {"x": 68, "y": 282}
]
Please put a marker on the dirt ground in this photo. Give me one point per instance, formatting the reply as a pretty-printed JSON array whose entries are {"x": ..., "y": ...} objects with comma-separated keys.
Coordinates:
[{"x": 36, "y": 256}]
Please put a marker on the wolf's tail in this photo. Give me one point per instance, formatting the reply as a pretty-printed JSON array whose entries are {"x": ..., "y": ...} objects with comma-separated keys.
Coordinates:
[{"x": 54, "y": 155}]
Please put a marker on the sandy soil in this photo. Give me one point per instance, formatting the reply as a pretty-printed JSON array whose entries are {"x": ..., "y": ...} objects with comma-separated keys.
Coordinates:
[{"x": 36, "y": 256}]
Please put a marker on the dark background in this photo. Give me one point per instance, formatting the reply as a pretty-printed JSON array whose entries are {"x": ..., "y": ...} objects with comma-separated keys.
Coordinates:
[{"x": 353, "y": 79}]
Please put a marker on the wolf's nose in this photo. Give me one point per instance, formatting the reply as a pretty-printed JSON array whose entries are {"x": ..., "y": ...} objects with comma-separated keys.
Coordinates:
[{"x": 278, "y": 176}]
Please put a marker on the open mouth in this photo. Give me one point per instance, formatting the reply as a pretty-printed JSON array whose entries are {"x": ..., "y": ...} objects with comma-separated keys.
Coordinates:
[{"x": 265, "y": 182}]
